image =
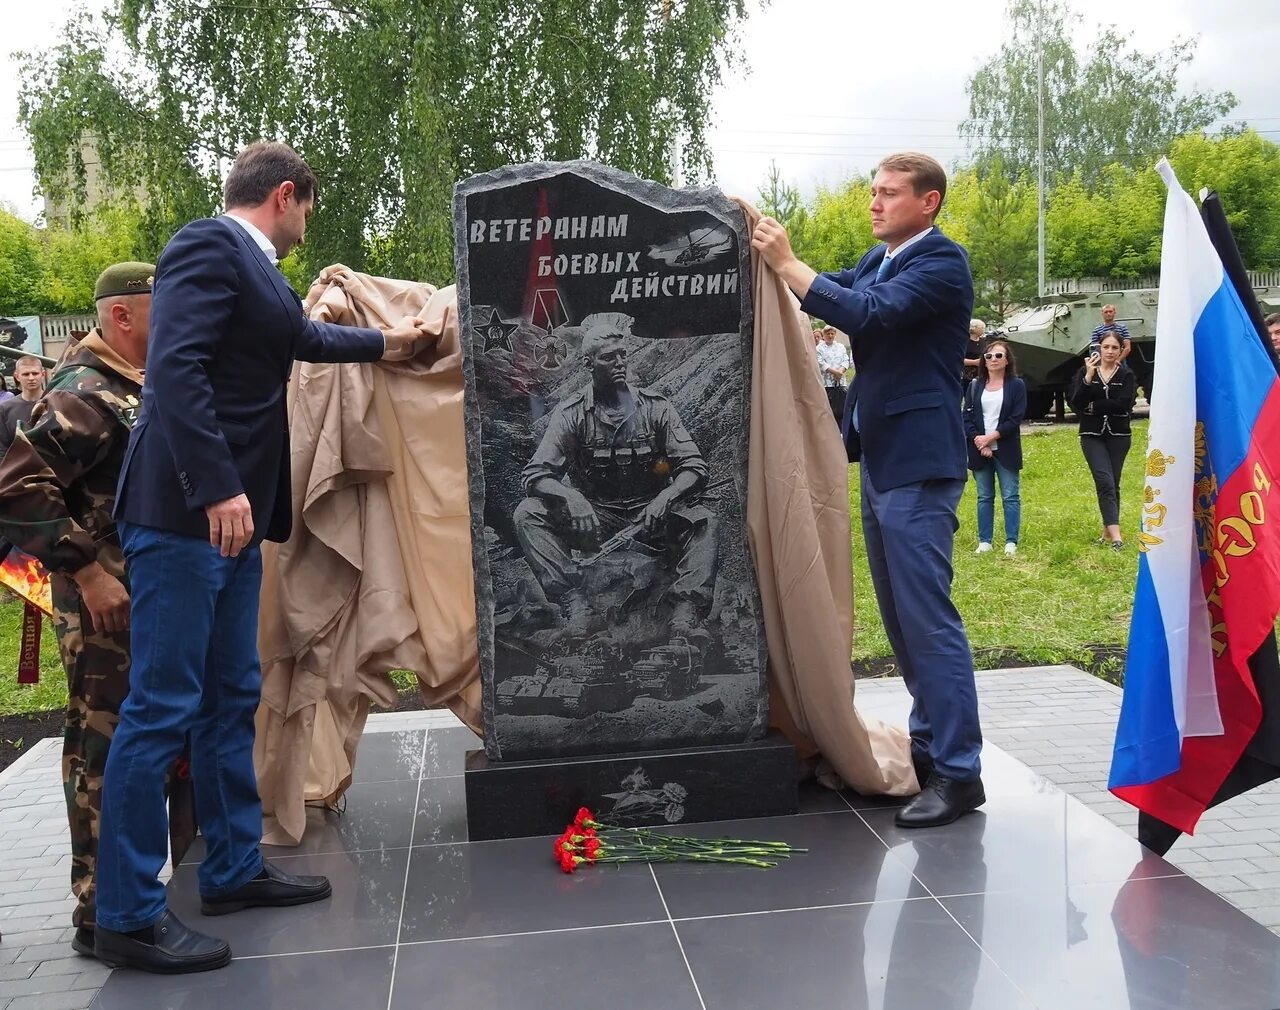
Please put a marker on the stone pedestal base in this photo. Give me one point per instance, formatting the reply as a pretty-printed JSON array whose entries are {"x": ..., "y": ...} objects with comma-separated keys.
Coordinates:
[{"x": 510, "y": 799}]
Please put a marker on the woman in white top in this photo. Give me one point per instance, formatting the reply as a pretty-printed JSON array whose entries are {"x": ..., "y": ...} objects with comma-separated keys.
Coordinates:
[{"x": 994, "y": 406}]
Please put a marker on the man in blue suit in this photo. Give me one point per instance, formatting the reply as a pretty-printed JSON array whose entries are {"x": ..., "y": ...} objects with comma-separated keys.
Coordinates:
[
  {"x": 906, "y": 308},
  {"x": 205, "y": 479}
]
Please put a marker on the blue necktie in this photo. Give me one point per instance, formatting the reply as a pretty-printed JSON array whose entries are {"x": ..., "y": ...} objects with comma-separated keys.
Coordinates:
[{"x": 881, "y": 271}]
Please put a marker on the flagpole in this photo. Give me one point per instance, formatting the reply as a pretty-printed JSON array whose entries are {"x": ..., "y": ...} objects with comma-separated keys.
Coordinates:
[
  {"x": 673, "y": 150},
  {"x": 1040, "y": 145}
]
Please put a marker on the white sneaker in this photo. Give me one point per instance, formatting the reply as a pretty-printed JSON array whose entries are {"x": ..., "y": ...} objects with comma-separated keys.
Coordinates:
[
  {"x": 982, "y": 548},
  {"x": 1011, "y": 548}
]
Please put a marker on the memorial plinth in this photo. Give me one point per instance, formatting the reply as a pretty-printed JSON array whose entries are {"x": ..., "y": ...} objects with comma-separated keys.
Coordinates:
[{"x": 607, "y": 354}]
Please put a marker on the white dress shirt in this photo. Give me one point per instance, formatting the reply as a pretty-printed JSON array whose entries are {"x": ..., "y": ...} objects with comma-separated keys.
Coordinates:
[
  {"x": 255, "y": 233},
  {"x": 908, "y": 243}
]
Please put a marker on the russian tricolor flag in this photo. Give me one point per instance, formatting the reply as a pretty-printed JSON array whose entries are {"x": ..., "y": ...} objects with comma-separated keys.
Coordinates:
[{"x": 1208, "y": 588}]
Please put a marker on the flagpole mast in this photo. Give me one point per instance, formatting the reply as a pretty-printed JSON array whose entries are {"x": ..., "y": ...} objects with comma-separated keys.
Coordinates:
[
  {"x": 1040, "y": 145},
  {"x": 673, "y": 152}
]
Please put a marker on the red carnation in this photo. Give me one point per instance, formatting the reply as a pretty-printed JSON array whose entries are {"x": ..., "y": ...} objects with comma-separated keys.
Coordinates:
[
  {"x": 592, "y": 849},
  {"x": 568, "y": 862},
  {"x": 584, "y": 815}
]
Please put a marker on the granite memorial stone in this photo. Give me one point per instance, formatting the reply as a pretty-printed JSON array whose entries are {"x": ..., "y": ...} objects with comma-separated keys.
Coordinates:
[{"x": 607, "y": 352}]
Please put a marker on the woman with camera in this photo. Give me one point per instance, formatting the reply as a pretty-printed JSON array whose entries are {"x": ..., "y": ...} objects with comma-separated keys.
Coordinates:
[
  {"x": 1102, "y": 395},
  {"x": 994, "y": 405}
]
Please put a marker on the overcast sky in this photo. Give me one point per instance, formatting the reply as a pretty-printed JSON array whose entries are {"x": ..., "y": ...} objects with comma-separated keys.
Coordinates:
[{"x": 834, "y": 84}]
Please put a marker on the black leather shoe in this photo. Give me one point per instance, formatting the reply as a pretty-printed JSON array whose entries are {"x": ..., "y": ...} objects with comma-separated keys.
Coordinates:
[
  {"x": 172, "y": 948},
  {"x": 942, "y": 801},
  {"x": 82, "y": 942},
  {"x": 272, "y": 888},
  {"x": 923, "y": 764}
]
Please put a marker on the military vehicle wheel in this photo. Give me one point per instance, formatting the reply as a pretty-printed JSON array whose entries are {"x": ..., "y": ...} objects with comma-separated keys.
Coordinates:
[{"x": 1039, "y": 403}]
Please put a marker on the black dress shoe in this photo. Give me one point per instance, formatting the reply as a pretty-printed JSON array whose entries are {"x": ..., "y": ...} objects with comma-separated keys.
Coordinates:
[
  {"x": 923, "y": 764},
  {"x": 270, "y": 888},
  {"x": 942, "y": 801},
  {"x": 167, "y": 948},
  {"x": 82, "y": 942}
]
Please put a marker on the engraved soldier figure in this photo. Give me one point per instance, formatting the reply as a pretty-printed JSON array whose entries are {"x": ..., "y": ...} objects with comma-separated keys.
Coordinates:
[
  {"x": 616, "y": 466},
  {"x": 57, "y": 490}
]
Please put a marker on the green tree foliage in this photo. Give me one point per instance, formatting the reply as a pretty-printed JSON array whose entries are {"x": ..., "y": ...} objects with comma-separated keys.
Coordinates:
[
  {"x": 75, "y": 257},
  {"x": 837, "y": 230},
  {"x": 390, "y": 101},
  {"x": 1002, "y": 241},
  {"x": 1245, "y": 170},
  {"x": 1109, "y": 226},
  {"x": 782, "y": 201},
  {"x": 1112, "y": 103},
  {"x": 22, "y": 267}
]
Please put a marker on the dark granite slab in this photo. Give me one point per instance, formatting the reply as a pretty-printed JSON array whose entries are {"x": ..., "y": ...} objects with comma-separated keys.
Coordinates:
[{"x": 608, "y": 636}]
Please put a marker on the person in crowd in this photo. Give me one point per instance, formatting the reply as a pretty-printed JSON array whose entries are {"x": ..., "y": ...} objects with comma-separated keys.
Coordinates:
[
  {"x": 1102, "y": 395},
  {"x": 1273, "y": 330},
  {"x": 1109, "y": 325},
  {"x": 205, "y": 479},
  {"x": 906, "y": 307},
  {"x": 833, "y": 360},
  {"x": 973, "y": 350},
  {"x": 995, "y": 403},
  {"x": 15, "y": 413},
  {"x": 57, "y": 490}
]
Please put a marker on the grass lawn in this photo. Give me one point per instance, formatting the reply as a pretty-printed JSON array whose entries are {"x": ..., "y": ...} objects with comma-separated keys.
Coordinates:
[
  {"x": 1060, "y": 596},
  {"x": 1058, "y": 600}
]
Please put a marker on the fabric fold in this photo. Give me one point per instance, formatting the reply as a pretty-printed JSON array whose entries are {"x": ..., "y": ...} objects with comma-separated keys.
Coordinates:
[
  {"x": 798, "y": 526},
  {"x": 377, "y": 574}
]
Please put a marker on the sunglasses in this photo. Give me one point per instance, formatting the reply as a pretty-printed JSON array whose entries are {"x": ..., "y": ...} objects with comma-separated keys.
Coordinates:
[{"x": 994, "y": 355}]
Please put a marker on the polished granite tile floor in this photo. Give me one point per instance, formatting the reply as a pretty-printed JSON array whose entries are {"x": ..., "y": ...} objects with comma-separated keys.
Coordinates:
[{"x": 1034, "y": 902}]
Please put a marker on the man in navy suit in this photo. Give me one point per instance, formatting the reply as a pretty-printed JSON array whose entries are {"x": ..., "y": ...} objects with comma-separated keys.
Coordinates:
[
  {"x": 906, "y": 308},
  {"x": 205, "y": 479}
]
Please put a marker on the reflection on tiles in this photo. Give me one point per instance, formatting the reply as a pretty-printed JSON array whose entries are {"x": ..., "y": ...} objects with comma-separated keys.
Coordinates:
[
  {"x": 447, "y": 750},
  {"x": 514, "y": 886},
  {"x": 375, "y": 815},
  {"x": 845, "y": 863},
  {"x": 1033, "y": 902},
  {"x": 625, "y": 968},
  {"x": 1032, "y": 844},
  {"x": 442, "y": 811},
  {"x": 1141, "y": 944},
  {"x": 893, "y": 955},
  {"x": 351, "y": 980},
  {"x": 362, "y": 912},
  {"x": 383, "y": 757}
]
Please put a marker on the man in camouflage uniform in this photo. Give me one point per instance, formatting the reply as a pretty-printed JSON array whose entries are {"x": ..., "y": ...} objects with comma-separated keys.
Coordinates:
[
  {"x": 57, "y": 491},
  {"x": 616, "y": 457}
]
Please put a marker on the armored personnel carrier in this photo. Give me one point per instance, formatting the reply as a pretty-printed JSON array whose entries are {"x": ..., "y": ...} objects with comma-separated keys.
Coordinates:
[{"x": 1050, "y": 341}]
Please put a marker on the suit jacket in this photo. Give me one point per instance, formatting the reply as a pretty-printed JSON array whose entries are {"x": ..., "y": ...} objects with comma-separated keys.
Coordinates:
[
  {"x": 908, "y": 333},
  {"x": 225, "y": 330},
  {"x": 1012, "y": 410}
]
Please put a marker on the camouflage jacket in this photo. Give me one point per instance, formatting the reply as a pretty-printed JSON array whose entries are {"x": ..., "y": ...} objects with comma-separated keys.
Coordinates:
[
  {"x": 623, "y": 460},
  {"x": 58, "y": 479}
]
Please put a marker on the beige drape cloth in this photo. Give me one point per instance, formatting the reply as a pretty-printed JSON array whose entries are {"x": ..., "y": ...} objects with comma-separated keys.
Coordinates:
[
  {"x": 798, "y": 527},
  {"x": 377, "y": 574}
]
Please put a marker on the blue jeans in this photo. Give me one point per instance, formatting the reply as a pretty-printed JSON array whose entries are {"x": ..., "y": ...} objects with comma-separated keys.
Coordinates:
[
  {"x": 910, "y": 533},
  {"x": 1010, "y": 483},
  {"x": 194, "y": 639}
]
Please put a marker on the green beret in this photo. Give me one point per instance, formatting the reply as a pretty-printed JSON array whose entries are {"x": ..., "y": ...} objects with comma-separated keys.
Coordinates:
[{"x": 125, "y": 279}]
